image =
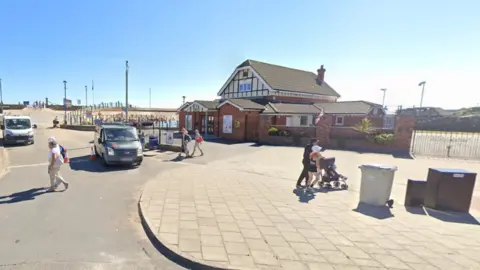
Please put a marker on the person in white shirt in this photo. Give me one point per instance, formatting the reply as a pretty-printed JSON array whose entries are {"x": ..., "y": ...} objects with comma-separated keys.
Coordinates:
[{"x": 55, "y": 162}]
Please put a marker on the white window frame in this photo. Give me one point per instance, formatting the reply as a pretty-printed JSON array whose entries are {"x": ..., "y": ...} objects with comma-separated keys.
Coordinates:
[
  {"x": 306, "y": 121},
  {"x": 336, "y": 120}
]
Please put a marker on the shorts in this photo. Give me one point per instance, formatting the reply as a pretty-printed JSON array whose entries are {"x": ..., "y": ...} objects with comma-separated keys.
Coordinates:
[{"x": 312, "y": 168}]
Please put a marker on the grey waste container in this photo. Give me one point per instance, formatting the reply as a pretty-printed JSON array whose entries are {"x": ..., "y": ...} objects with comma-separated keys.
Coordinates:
[{"x": 376, "y": 184}]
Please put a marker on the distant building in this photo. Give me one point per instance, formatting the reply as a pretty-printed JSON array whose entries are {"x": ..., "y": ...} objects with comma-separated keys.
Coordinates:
[{"x": 288, "y": 97}]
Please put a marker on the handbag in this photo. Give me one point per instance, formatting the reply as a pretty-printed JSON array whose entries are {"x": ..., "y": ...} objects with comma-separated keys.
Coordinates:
[{"x": 199, "y": 139}]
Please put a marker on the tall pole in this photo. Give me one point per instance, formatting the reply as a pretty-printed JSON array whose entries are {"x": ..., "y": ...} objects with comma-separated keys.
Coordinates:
[
  {"x": 150, "y": 97},
  {"x": 93, "y": 96},
  {"x": 422, "y": 84},
  {"x": 65, "y": 101},
  {"x": 1, "y": 97},
  {"x": 126, "y": 89},
  {"x": 86, "y": 96},
  {"x": 384, "y": 90}
]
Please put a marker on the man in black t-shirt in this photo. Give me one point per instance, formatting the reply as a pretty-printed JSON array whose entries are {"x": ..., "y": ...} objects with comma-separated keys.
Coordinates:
[{"x": 306, "y": 162}]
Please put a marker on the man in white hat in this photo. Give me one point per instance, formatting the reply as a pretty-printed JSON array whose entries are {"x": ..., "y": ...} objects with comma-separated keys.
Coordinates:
[{"x": 55, "y": 161}]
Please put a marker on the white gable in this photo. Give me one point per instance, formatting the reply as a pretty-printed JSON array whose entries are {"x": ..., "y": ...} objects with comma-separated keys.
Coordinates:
[{"x": 243, "y": 83}]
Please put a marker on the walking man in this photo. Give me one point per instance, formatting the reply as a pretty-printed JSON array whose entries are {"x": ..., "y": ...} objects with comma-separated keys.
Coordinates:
[
  {"x": 306, "y": 162},
  {"x": 55, "y": 162}
]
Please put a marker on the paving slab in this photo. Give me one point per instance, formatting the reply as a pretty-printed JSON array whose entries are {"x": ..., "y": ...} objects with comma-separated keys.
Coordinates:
[{"x": 243, "y": 212}]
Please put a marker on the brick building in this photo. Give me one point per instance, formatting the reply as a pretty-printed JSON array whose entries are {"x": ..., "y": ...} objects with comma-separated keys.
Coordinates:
[{"x": 285, "y": 97}]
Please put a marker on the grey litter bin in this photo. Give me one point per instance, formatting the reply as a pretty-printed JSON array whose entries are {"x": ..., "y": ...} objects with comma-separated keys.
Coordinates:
[{"x": 376, "y": 184}]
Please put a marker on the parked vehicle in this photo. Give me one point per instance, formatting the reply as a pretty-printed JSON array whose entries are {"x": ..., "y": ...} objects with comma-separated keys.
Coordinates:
[
  {"x": 17, "y": 130},
  {"x": 118, "y": 143}
]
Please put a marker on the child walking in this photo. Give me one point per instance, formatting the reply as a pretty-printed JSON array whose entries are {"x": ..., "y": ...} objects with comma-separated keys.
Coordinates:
[
  {"x": 315, "y": 168},
  {"x": 198, "y": 141}
]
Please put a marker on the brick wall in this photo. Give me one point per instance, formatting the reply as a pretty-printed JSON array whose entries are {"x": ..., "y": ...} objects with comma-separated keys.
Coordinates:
[
  {"x": 354, "y": 120},
  {"x": 351, "y": 139},
  {"x": 181, "y": 119},
  {"x": 346, "y": 137},
  {"x": 324, "y": 129},
  {"x": 404, "y": 126},
  {"x": 252, "y": 122},
  {"x": 339, "y": 132},
  {"x": 238, "y": 133}
]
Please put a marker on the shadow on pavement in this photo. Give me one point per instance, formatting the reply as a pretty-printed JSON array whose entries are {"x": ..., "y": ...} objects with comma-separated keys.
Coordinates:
[
  {"x": 257, "y": 144},
  {"x": 27, "y": 195},
  {"x": 177, "y": 158},
  {"x": 445, "y": 216},
  {"x": 83, "y": 163},
  {"x": 304, "y": 196},
  {"x": 222, "y": 141},
  {"x": 15, "y": 145},
  {"x": 378, "y": 212},
  {"x": 328, "y": 189}
]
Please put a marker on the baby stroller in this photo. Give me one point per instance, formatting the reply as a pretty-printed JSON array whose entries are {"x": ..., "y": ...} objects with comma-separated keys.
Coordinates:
[{"x": 331, "y": 177}]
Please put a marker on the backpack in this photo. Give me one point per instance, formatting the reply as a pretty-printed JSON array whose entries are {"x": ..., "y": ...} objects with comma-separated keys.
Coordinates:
[{"x": 62, "y": 152}]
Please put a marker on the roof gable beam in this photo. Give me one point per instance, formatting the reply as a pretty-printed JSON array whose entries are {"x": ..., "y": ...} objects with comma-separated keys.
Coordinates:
[
  {"x": 195, "y": 107},
  {"x": 253, "y": 71}
]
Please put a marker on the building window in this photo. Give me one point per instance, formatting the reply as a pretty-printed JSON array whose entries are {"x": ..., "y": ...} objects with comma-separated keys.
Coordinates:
[
  {"x": 339, "y": 120},
  {"x": 188, "y": 122},
  {"x": 245, "y": 73},
  {"x": 245, "y": 87},
  {"x": 303, "y": 121}
]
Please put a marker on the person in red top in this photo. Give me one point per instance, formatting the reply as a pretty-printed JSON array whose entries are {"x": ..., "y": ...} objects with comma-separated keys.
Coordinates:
[{"x": 198, "y": 141}]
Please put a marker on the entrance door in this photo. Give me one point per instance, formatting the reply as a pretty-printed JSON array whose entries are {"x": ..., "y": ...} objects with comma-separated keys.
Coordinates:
[
  {"x": 209, "y": 126},
  {"x": 211, "y": 121},
  {"x": 202, "y": 125}
]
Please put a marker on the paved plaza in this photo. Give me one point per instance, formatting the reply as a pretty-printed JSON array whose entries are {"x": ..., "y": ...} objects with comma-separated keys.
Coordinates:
[{"x": 242, "y": 211}]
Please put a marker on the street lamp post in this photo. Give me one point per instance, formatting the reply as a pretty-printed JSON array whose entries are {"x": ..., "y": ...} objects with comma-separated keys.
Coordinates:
[
  {"x": 86, "y": 96},
  {"x": 422, "y": 84},
  {"x": 1, "y": 97},
  {"x": 93, "y": 96},
  {"x": 65, "y": 101},
  {"x": 384, "y": 90},
  {"x": 126, "y": 90},
  {"x": 150, "y": 97}
]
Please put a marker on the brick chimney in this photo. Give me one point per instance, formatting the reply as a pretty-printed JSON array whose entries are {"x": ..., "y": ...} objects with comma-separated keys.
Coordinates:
[{"x": 321, "y": 75}]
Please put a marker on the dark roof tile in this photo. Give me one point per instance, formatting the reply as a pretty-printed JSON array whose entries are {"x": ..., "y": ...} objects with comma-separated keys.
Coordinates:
[
  {"x": 289, "y": 79},
  {"x": 347, "y": 107},
  {"x": 284, "y": 108},
  {"x": 209, "y": 104},
  {"x": 246, "y": 103}
]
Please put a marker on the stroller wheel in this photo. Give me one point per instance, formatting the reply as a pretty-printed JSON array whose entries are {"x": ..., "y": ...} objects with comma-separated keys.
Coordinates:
[
  {"x": 336, "y": 184},
  {"x": 344, "y": 186},
  {"x": 390, "y": 203}
]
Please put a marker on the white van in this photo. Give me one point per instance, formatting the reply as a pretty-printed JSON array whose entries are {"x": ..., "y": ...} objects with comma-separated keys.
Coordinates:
[{"x": 17, "y": 130}]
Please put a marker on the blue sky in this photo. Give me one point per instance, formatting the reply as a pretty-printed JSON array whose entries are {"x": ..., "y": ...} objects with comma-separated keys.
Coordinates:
[{"x": 191, "y": 47}]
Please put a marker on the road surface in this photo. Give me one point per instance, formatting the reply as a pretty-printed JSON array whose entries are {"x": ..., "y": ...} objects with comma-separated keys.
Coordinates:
[{"x": 93, "y": 225}]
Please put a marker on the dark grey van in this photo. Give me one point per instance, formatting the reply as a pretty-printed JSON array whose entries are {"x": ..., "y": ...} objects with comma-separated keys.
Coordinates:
[{"x": 118, "y": 144}]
